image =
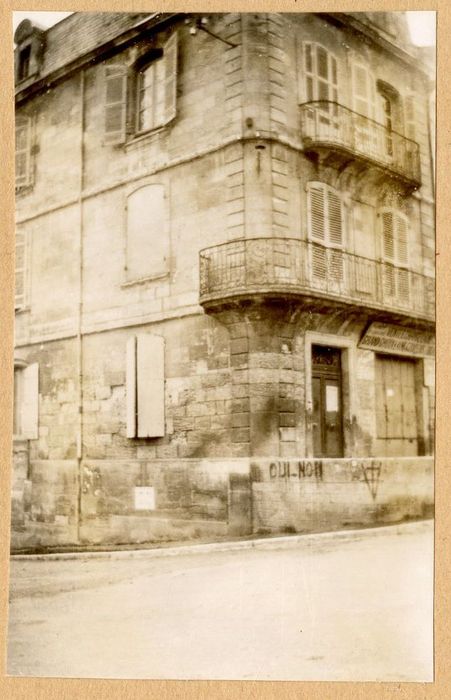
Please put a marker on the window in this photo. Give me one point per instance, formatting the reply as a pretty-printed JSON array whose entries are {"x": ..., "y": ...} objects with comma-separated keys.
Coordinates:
[
  {"x": 24, "y": 62},
  {"x": 142, "y": 99},
  {"x": 24, "y": 170},
  {"x": 145, "y": 386},
  {"x": 326, "y": 233},
  {"x": 395, "y": 255},
  {"x": 21, "y": 270},
  {"x": 320, "y": 73},
  {"x": 147, "y": 233},
  {"x": 26, "y": 400},
  {"x": 364, "y": 104}
]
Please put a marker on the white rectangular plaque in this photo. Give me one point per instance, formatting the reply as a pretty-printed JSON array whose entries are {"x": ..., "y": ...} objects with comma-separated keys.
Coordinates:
[{"x": 144, "y": 498}]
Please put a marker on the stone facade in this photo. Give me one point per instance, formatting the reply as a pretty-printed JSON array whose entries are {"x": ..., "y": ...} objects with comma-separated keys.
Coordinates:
[{"x": 230, "y": 164}]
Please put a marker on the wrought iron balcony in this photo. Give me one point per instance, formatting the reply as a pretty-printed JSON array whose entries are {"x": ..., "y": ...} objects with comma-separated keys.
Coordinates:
[
  {"x": 338, "y": 133},
  {"x": 287, "y": 268}
]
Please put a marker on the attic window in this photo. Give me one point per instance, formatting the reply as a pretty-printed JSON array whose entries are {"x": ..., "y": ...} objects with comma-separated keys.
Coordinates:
[{"x": 24, "y": 62}]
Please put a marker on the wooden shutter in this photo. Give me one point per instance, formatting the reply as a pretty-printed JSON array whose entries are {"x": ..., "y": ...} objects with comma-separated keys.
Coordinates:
[
  {"x": 401, "y": 240},
  {"x": 23, "y": 152},
  {"x": 145, "y": 386},
  {"x": 115, "y": 104},
  {"x": 131, "y": 386},
  {"x": 170, "y": 78},
  {"x": 30, "y": 402},
  {"x": 335, "y": 220},
  {"x": 150, "y": 385},
  {"x": 410, "y": 117},
  {"x": 364, "y": 93},
  {"x": 388, "y": 242},
  {"x": 20, "y": 270},
  {"x": 317, "y": 212}
]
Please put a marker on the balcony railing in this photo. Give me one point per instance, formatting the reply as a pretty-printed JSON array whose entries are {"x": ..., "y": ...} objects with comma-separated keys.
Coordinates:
[
  {"x": 335, "y": 127},
  {"x": 287, "y": 267}
]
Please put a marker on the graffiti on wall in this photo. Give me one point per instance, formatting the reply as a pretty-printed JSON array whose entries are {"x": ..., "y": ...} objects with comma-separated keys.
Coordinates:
[{"x": 298, "y": 469}]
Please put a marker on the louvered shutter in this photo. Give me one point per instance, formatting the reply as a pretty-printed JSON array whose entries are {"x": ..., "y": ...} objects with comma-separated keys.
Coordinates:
[
  {"x": 20, "y": 270},
  {"x": 364, "y": 97},
  {"x": 410, "y": 117},
  {"x": 170, "y": 78},
  {"x": 401, "y": 240},
  {"x": 115, "y": 104},
  {"x": 30, "y": 402},
  {"x": 317, "y": 213},
  {"x": 388, "y": 236},
  {"x": 335, "y": 222},
  {"x": 23, "y": 152}
]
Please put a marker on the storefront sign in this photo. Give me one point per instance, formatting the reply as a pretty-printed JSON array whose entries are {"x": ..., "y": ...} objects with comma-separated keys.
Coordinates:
[{"x": 398, "y": 341}]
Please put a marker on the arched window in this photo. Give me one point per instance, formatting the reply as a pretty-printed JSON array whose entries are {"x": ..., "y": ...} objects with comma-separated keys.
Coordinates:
[{"x": 147, "y": 252}]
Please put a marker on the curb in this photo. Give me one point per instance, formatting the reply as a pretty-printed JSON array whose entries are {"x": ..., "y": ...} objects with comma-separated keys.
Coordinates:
[{"x": 285, "y": 542}]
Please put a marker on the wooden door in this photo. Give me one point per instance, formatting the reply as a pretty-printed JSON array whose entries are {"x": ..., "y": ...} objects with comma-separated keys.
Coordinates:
[
  {"x": 396, "y": 415},
  {"x": 327, "y": 402}
]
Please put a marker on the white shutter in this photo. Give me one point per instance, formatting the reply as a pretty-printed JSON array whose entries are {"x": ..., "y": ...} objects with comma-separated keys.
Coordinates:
[
  {"x": 150, "y": 385},
  {"x": 363, "y": 90},
  {"x": 170, "y": 78},
  {"x": 316, "y": 210},
  {"x": 115, "y": 106},
  {"x": 131, "y": 387},
  {"x": 30, "y": 401},
  {"x": 20, "y": 270},
  {"x": 401, "y": 240},
  {"x": 335, "y": 220},
  {"x": 23, "y": 151}
]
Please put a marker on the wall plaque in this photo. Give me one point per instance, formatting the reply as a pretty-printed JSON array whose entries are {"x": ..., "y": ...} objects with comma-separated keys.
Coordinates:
[
  {"x": 144, "y": 498},
  {"x": 396, "y": 340}
]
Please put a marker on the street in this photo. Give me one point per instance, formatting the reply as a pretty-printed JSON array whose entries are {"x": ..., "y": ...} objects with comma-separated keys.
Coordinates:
[{"x": 340, "y": 606}]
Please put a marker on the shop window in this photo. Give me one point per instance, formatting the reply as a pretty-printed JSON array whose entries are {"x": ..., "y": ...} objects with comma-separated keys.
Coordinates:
[
  {"x": 26, "y": 401},
  {"x": 145, "y": 386},
  {"x": 326, "y": 233},
  {"x": 141, "y": 98},
  {"x": 147, "y": 253}
]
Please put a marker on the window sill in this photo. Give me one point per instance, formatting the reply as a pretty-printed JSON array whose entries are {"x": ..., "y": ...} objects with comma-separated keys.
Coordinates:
[
  {"x": 143, "y": 280},
  {"x": 21, "y": 309},
  {"x": 144, "y": 136}
]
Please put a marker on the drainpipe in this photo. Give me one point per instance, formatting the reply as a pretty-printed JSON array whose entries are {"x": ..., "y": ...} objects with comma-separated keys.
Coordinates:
[{"x": 80, "y": 306}]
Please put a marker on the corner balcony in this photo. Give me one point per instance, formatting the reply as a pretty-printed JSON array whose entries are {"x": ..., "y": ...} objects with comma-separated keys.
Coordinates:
[
  {"x": 341, "y": 137},
  {"x": 320, "y": 277}
]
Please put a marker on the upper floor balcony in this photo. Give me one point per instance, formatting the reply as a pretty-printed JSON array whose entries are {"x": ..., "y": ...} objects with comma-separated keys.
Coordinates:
[
  {"x": 320, "y": 276},
  {"x": 341, "y": 136}
]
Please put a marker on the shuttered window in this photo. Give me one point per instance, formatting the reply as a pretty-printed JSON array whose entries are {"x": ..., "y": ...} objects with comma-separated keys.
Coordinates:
[
  {"x": 326, "y": 231},
  {"x": 395, "y": 251},
  {"x": 21, "y": 270},
  {"x": 24, "y": 171},
  {"x": 145, "y": 386},
  {"x": 153, "y": 99},
  {"x": 321, "y": 74},
  {"x": 364, "y": 104},
  {"x": 26, "y": 401},
  {"x": 410, "y": 117}
]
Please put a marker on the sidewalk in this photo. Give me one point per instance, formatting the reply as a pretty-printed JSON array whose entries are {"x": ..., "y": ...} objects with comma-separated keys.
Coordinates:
[{"x": 265, "y": 543}]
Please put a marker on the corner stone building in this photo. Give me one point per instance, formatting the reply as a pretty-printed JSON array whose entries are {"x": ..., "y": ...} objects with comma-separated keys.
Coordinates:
[{"x": 224, "y": 276}]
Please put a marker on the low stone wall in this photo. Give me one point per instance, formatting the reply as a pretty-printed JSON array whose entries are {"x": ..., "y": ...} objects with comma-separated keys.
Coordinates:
[
  {"x": 114, "y": 502},
  {"x": 308, "y": 495}
]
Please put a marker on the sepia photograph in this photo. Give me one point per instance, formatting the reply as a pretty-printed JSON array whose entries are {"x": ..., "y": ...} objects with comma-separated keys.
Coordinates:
[{"x": 224, "y": 346}]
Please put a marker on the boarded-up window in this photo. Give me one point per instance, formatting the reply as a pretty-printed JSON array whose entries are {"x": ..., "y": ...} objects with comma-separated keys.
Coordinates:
[
  {"x": 145, "y": 386},
  {"x": 26, "y": 401},
  {"x": 24, "y": 170},
  {"x": 147, "y": 252},
  {"x": 396, "y": 412},
  {"x": 326, "y": 232}
]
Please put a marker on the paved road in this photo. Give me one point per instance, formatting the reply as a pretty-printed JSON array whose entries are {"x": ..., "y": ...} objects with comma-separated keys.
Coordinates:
[{"x": 327, "y": 608}]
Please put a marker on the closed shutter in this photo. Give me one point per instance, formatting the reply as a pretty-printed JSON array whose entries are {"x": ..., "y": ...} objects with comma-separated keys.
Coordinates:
[
  {"x": 170, "y": 78},
  {"x": 30, "y": 402},
  {"x": 388, "y": 236},
  {"x": 410, "y": 117},
  {"x": 364, "y": 91},
  {"x": 326, "y": 233},
  {"x": 115, "y": 104},
  {"x": 145, "y": 386},
  {"x": 335, "y": 219},
  {"x": 317, "y": 213},
  {"x": 396, "y": 256},
  {"x": 23, "y": 152},
  {"x": 20, "y": 270}
]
